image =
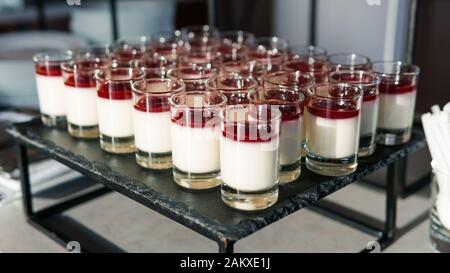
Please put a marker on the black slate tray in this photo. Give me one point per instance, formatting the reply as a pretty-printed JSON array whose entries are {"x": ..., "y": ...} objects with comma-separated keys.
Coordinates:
[{"x": 203, "y": 212}]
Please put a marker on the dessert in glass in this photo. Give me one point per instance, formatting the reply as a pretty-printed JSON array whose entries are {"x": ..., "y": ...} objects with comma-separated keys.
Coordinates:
[
  {"x": 200, "y": 38},
  {"x": 290, "y": 103},
  {"x": 234, "y": 44},
  {"x": 308, "y": 59},
  {"x": 233, "y": 86},
  {"x": 156, "y": 65},
  {"x": 50, "y": 87},
  {"x": 368, "y": 82},
  {"x": 81, "y": 95},
  {"x": 269, "y": 52},
  {"x": 126, "y": 54},
  {"x": 195, "y": 138},
  {"x": 168, "y": 44},
  {"x": 332, "y": 132},
  {"x": 398, "y": 89},
  {"x": 194, "y": 76},
  {"x": 249, "y": 156},
  {"x": 115, "y": 107},
  {"x": 348, "y": 61},
  {"x": 152, "y": 121},
  {"x": 202, "y": 58},
  {"x": 246, "y": 68},
  {"x": 295, "y": 80}
]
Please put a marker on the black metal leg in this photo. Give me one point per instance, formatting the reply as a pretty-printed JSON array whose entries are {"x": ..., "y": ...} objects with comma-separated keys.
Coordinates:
[
  {"x": 395, "y": 178},
  {"x": 114, "y": 23},
  {"x": 22, "y": 159},
  {"x": 226, "y": 246}
]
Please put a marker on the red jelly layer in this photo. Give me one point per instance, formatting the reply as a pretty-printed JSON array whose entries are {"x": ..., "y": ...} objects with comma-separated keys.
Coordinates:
[
  {"x": 117, "y": 91},
  {"x": 287, "y": 103},
  {"x": 401, "y": 88},
  {"x": 51, "y": 69},
  {"x": 80, "y": 81},
  {"x": 195, "y": 118},
  {"x": 332, "y": 109},
  {"x": 153, "y": 104},
  {"x": 306, "y": 67}
]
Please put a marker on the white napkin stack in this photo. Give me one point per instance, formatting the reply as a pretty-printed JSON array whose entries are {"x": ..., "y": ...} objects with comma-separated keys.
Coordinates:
[{"x": 437, "y": 131}]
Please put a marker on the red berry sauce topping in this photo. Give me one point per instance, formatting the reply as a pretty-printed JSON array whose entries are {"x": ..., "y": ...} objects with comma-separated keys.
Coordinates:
[
  {"x": 115, "y": 84},
  {"x": 49, "y": 69}
]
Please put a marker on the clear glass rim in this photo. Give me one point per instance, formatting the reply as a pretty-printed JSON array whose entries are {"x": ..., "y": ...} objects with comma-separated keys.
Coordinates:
[
  {"x": 53, "y": 56},
  {"x": 301, "y": 97},
  {"x": 365, "y": 60},
  {"x": 222, "y": 103},
  {"x": 72, "y": 65},
  {"x": 235, "y": 76},
  {"x": 415, "y": 68},
  {"x": 375, "y": 81},
  {"x": 273, "y": 40},
  {"x": 176, "y": 71},
  {"x": 101, "y": 76},
  {"x": 180, "y": 89},
  {"x": 311, "y": 91},
  {"x": 266, "y": 78},
  {"x": 307, "y": 49}
]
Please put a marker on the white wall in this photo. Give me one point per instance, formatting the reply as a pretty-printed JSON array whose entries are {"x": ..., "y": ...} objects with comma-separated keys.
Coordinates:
[{"x": 378, "y": 31}]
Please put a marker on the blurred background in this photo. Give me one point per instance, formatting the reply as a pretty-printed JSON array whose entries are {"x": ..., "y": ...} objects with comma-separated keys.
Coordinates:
[{"x": 411, "y": 30}]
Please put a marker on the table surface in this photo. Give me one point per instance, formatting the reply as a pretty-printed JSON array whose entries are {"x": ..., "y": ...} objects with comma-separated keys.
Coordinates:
[{"x": 202, "y": 211}]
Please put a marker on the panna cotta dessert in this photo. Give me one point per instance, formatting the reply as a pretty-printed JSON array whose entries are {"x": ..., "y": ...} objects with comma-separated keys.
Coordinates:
[
  {"x": 348, "y": 61},
  {"x": 152, "y": 121},
  {"x": 244, "y": 68},
  {"x": 195, "y": 129},
  {"x": 168, "y": 44},
  {"x": 156, "y": 66},
  {"x": 81, "y": 94},
  {"x": 398, "y": 89},
  {"x": 249, "y": 156},
  {"x": 234, "y": 44},
  {"x": 368, "y": 82},
  {"x": 290, "y": 103},
  {"x": 332, "y": 133},
  {"x": 308, "y": 60},
  {"x": 194, "y": 76},
  {"x": 233, "y": 86},
  {"x": 209, "y": 59},
  {"x": 200, "y": 38},
  {"x": 115, "y": 108},
  {"x": 295, "y": 80},
  {"x": 127, "y": 54},
  {"x": 50, "y": 87},
  {"x": 269, "y": 52}
]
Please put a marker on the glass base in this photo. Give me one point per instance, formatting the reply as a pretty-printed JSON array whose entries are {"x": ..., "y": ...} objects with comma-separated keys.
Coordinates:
[
  {"x": 196, "y": 181},
  {"x": 331, "y": 167},
  {"x": 79, "y": 131},
  {"x": 249, "y": 201},
  {"x": 391, "y": 137},
  {"x": 117, "y": 145},
  {"x": 366, "y": 151},
  {"x": 54, "y": 121},
  {"x": 290, "y": 172},
  {"x": 154, "y": 161}
]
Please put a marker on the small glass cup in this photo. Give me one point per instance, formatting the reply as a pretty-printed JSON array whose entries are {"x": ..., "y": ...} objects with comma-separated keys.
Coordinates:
[
  {"x": 368, "y": 82},
  {"x": 81, "y": 95},
  {"x": 127, "y": 54},
  {"x": 168, "y": 45},
  {"x": 194, "y": 76},
  {"x": 269, "y": 53},
  {"x": 115, "y": 108},
  {"x": 208, "y": 58},
  {"x": 155, "y": 65},
  {"x": 249, "y": 156},
  {"x": 50, "y": 87},
  {"x": 102, "y": 53},
  {"x": 152, "y": 121},
  {"x": 332, "y": 132},
  {"x": 234, "y": 44},
  {"x": 200, "y": 38},
  {"x": 290, "y": 103},
  {"x": 232, "y": 86},
  {"x": 295, "y": 80},
  {"x": 439, "y": 215},
  {"x": 244, "y": 68},
  {"x": 348, "y": 61},
  {"x": 308, "y": 59},
  {"x": 398, "y": 89},
  {"x": 195, "y": 138}
]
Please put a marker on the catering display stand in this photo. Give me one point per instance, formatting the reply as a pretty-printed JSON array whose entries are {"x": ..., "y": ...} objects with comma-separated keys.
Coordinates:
[{"x": 203, "y": 212}]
